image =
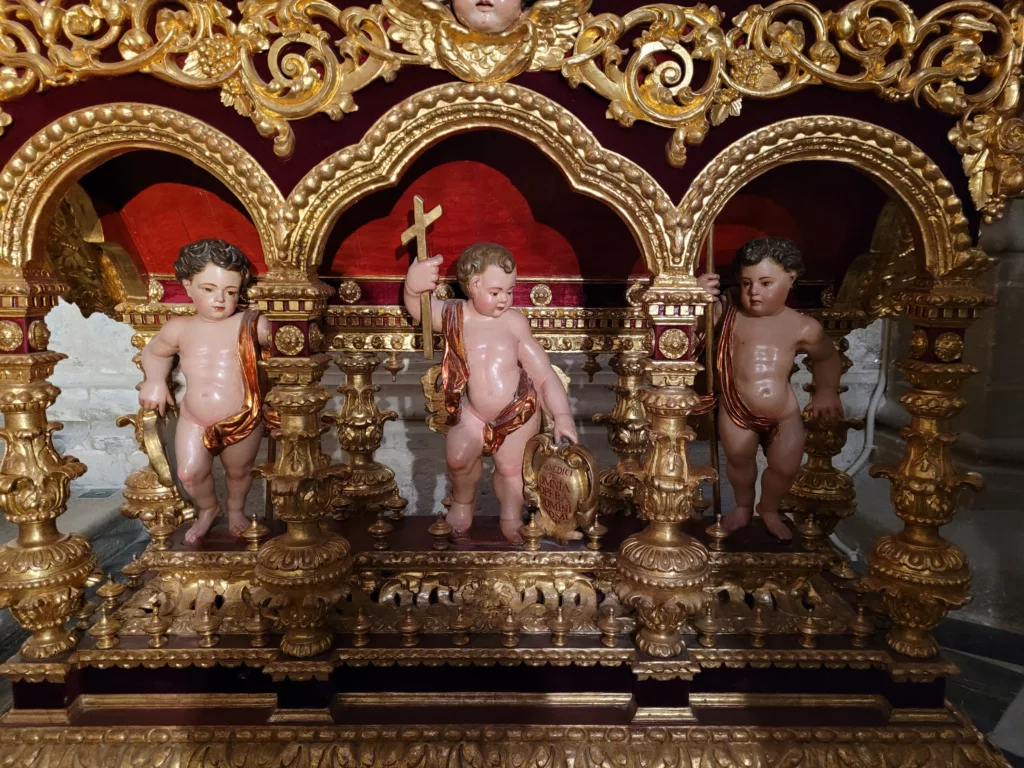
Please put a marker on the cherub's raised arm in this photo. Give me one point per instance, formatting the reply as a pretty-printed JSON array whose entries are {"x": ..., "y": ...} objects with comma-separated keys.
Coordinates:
[
  {"x": 422, "y": 277},
  {"x": 535, "y": 362}
]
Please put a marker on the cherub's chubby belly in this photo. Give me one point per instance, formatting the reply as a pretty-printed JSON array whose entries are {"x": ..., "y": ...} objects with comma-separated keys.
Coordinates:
[
  {"x": 492, "y": 383},
  {"x": 212, "y": 392},
  {"x": 769, "y": 398}
]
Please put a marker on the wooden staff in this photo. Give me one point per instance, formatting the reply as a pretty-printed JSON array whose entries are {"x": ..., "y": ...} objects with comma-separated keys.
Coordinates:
[
  {"x": 418, "y": 230},
  {"x": 709, "y": 364}
]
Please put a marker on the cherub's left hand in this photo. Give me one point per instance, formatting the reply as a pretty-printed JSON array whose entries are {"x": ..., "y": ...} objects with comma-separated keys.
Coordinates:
[
  {"x": 825, "y": 406},
  {"x": 565, "y": 427}
]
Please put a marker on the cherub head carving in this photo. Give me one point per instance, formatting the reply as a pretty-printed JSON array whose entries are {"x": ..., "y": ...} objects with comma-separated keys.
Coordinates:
[
  {"x": 487, "y": 274},
  {"x": 766, "y": 269},
  {"x": 490, "y": 16},
  {"x": 215, "y": 275}
]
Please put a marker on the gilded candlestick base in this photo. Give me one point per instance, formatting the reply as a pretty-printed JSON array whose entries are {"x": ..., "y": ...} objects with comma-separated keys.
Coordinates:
[
  {"x": 409, "y": 628},
  {"x": 460, "y": 626},
  {"x": 627, "y": 434},
  {"x": 532, "y": 533},
  {"x": 560, "y": 628},
  {"x": 361, "y": 630},
  {"x": 662, "y": 570},
  {"x": 360, "y": 429},
  {"x": 509, "y": 629},
  {"x": 255, "y": 534},
  {"x": 380, "y": 529},
  {"x": 717, "y": 534},
  {"x": 440, "y": 530}
]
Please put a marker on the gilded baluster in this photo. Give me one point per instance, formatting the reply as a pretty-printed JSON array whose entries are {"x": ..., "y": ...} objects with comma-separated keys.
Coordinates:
[
  {"x": 43, "y": 573},
  {"x": 920, "y": 575},
  {"x": 661, "y": 571},
  {"x": 818, "y": 486},
  {"x": 627, "y": 434},
  {"x": 360, "y": 429},
  {"x": 306, "y": 567}
]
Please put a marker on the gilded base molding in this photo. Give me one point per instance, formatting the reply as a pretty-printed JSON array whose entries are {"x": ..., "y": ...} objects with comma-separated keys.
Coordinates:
[{"x": 315, "y": 745}]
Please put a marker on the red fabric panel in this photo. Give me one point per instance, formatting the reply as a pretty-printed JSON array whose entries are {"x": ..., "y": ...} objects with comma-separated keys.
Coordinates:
[
  {"x": 164, "y": 217},
  {"x": 480, "y": 203}
]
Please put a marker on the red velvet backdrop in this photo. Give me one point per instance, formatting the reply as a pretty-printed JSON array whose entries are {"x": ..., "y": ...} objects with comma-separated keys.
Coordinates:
[{"x": 492, "y": 186}]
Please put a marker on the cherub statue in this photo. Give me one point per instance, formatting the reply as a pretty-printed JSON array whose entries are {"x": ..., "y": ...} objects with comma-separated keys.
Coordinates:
[
  {"x": 486, "y": 41},
  {"x": 494, "y": 375},
  {"x": 757, "y": 344},
  {"x": 222, "y": 410}
]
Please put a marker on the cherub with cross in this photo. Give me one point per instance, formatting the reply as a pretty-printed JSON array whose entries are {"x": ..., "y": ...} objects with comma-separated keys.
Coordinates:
[{"x": 495, "y": 376}]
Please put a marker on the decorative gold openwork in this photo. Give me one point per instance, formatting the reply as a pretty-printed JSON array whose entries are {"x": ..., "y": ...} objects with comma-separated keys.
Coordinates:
[{"x": 880, "y": 46}]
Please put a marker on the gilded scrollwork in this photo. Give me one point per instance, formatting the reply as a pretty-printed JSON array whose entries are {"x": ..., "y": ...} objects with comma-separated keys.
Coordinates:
[{"x": 878, "y": 46}]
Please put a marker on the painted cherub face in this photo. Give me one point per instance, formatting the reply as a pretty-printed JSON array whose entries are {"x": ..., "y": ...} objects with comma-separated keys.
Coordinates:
[
  {"x": 764, "y": 288},
  {"x": 215, "y": 291},
  {"x": 491, "y": 292},
  {"x": 491, "y": 16}
]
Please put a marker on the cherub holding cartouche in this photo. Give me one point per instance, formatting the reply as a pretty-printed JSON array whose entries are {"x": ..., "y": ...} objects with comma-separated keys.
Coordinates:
[
  {"x": 495, "y": 378},
  {"x": 218, "y": 350},
  {"x": 757, "y": 344}
]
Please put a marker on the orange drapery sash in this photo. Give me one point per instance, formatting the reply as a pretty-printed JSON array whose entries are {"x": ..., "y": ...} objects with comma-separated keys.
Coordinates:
[
  {"x": 455, "y": 379},
  {"x": 239, "y": 426},
  {"x": 734, "y": 405}
]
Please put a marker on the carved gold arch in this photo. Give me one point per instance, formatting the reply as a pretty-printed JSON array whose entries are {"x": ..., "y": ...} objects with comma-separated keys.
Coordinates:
[
  {"x": 430, "y": 116},
  {"x": 36, "y": 178},
  {"x": 944, "y": 241}
]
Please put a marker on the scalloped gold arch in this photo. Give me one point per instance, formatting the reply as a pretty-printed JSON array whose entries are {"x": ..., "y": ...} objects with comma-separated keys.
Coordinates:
[
  {"x": 944, "y": 237},
  {"x": 35, "y": 179},
  {"x": 430, "y": 116}
]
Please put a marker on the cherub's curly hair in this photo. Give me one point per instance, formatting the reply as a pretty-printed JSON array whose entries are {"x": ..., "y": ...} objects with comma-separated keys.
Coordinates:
[
  {"x": 478, "y": 257},
  {"x": 194, "y": 257},
  {"x": 781, "y": 250}
]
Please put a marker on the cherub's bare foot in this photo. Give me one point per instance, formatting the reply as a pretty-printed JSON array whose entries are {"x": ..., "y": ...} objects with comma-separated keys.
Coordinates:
[
  {"x": 510, "y": 529},
  {"x": 773, "y": 522},
  {"x": 739, "y": 518},
  {"x": 460, "y": 517},
  {"x": 202, "y": 525},
  {"x": 237, "y": 522}
]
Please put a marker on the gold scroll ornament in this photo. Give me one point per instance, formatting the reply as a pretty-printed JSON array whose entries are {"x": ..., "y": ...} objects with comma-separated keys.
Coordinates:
[{"x": 561, "y": 482}]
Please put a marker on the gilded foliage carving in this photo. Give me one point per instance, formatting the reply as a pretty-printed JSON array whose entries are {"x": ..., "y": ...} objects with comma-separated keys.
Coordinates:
[{"x": 274, "y": 61}]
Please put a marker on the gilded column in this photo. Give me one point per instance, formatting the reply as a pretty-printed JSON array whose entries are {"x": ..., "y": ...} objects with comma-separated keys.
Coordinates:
[
  {"x": 661, "y": 571},
  {"x": 627, "y": 434},
  {"x": 307, "y": 566},
  {"x": 818, "y": 486},
  {"x": 43, "y": 573},
  {"x": 920, "y": 575},
  {"x": 360, "y": 429}
]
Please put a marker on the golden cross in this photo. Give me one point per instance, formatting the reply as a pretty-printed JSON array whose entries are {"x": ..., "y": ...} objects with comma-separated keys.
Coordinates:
[{"x": 418, "y": 230}]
